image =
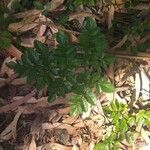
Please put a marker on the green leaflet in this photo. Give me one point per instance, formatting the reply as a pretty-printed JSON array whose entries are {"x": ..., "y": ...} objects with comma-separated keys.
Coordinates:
[
  {"x": 78, "y": 105},
  {"x": 5, "y": 39},
  {"x": 62, "y": 38},
  {"x": 84, "y": 2},
  {"x": 101, "y": 146},
  {"x": 72, "y": 4},
  {"x": 92, "y": 40},
  {"x": 15, "y": 5},
  {"x": 146, "y": 25},
  {"x": 38, "y": 5},
  {"x": 105, "y": 86},
  {"x": 90, "y": 97}
]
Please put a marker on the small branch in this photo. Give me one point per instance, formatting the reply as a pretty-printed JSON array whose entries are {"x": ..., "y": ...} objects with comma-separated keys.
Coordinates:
[
  {"x": 13, "y": 51},
  {"x": 12, "y": 106},
  {"x": 125, "y": 54},
  {"x": 59, "y": 27}
]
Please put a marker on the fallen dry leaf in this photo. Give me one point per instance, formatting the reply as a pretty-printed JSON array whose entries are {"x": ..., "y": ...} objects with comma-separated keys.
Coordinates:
[
  {"x": 42, "y": 28},
  {"x": 42, "y": 103},
  {"x": 31, "y": 145},
  {"x": 32, "y": 100},
  {"x": 118, "y": 1},
  {"x": 50, "y": 126},
  {"x": 60, "y": 147},
  {"x": 52, "y": 116},
  {"x": 12, "y": 106},
  {"x": 98, "y": 119},
  {"x": 1, "y": 148},
  {"x": 110, "y": 15},
  {"x": 55, "y": 4},
  {"x": 120, "y": 44},
  {"x": 53, "y": 146},
  {"x": 22, "y": 26},
  {"x": 145, "y": 136},
  {"x": 10, "y": 131},
  {"x": 81, "y": 16},
  {"x": 69, "y": 119},
  {"x": 5, "y": 69},
  {"x": 27, "y": 42},
  {"x": 91, "y": 145},
  {"x": 70, "y": 129},
  {"x": 19, "y": 81},
  {"x": 73, "y": 39},
  {"x": 62, "y": 136},
  {"x": 27, "y": 13},
  {"x": 142, "y": 7},
  {"x": 2, "y": 82},
  {"x": 79, "y": 124},
  {"x": 13, "y": 51},
  {"x": 64, "y": 110},
  {"x": 84, "y": 146},
  {"x": 144, "y": 39},
  {"x": 75, "y": 147},
  {"x": 110, "y": 72}
]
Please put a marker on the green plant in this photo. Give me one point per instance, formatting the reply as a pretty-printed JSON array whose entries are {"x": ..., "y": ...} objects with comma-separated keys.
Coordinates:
[
  {"x": 131, "y": 3},
  {"x": 41, "y": 6},
  {"x": 117, "y": 116},
  {"x": 5, "y": 39},
  {"x": 84, "y": 2},
  {"x": 121, "y": 125},
  {"x": 69, "y": 68},
  {"x": 72, "y": 4},
  {"x": 143, "y": 118},
  {"x": 5, "y": 35}
]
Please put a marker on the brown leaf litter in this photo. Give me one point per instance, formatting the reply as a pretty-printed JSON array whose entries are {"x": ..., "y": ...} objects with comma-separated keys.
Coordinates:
[{"x": 29, "y": 122}]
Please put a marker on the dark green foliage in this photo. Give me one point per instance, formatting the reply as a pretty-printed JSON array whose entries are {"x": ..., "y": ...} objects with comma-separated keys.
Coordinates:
[
  {"x": 2, "y": 19},
  {"x": 93, "y": 44},
  {"x": 63, "y": 19},
  {"x": 16, "y": 6},
  {"x": 105, "y": 86},
  {"x": 131, "y": 3},
  {"x": 68, "y": 68},
  {"x": 72, "y": 4},
  {"x": 139, "y": 29},
  {"x": 84, "y": 2},
  {"x": 44, "y": 5},
  {"x": 5, "y": 40},
  {"x": 38, "y": 5}
]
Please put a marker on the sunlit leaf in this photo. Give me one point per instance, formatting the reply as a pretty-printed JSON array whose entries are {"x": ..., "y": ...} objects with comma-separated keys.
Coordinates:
[
  {"x": 101, "y": 146},
  {"x": 90, "y": 97},
  {"x": 106, "y": 86},
  {"x": 131, "y": 121}
]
